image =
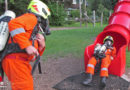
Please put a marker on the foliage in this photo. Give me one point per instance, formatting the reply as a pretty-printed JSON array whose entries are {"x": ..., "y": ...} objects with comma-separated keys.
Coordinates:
[
  {"x": 46, "y": 1},
  {"x": 106, "y": 15},
  {"x": 2, "y": 1},
  {"x": 2, "y": 8},
  {"x": 75, "y": 13},
  {"x": 57, "y": 18},
  {"x": 89, "y": 12},
  {"x": 113, "y": 3},
  {"x": 58, "y": 14},
  {"x": 100, "y": 9},
  {"x": 95, "y": 4},
  {"x": 105, "y": 11},
  {"x": 19, "y": 6},
  {"x": 67, "y": 3},
  {"x": 109, "y": 4}
]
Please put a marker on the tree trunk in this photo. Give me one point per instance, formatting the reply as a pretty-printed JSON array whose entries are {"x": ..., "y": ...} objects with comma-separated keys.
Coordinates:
[
  {"x": 6, "y": 5},
  {"x": 94, "y": 19},
  {"x": 57, "y": 2},
  {"x": 101, "y": 19},
  {"x": 109, "y": 13},
  {"x": 85, "y": 13},
  {"x": 80, "y": 13}
]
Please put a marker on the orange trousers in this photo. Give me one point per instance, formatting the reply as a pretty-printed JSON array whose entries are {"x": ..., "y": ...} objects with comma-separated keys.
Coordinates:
[
  {"x": 18, "y": 71},
  {"x": 104, "y": 66}
]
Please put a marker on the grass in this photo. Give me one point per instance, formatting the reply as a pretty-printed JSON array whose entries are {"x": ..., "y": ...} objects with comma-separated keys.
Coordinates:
[
  {"x": 127, "y": 58},
  {"x": 64, "y": 42},
  {"x": 73, "y": 42},
  {"x": 77, "y": 24}
]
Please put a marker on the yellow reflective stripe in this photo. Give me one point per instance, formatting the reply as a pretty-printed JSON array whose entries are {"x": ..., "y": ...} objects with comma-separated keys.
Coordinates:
[{"x": 17, "y": 31}]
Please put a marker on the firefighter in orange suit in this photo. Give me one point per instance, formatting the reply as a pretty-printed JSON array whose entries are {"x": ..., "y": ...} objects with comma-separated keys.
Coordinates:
[
  {"x": 105, "y": 53},
  {"x": 16, "y": 65}
]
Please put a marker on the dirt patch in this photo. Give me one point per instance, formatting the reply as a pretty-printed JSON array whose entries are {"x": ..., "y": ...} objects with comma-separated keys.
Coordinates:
[{"x": 56, "y": 70}]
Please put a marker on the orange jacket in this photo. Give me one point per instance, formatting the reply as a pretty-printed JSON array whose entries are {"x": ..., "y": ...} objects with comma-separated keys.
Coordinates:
[
  {"x": 106, "y": 61},
  {"x": 111, "y": 52},
  {"x": 21, "y": 29}
]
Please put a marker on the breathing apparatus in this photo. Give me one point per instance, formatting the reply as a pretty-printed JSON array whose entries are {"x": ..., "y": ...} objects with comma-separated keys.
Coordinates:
[
  {"x": 99, "y": 51},
  {"x": 4, "y": 32}
]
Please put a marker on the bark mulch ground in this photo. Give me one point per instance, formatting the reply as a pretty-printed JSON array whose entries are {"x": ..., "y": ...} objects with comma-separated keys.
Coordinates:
[
  {"x": 57, "y": 70},
  {"x": 75, "y": 83}
]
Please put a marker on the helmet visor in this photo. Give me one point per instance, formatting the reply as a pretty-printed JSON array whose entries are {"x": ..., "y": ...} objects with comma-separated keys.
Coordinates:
[{"x": 44, "y": 24}]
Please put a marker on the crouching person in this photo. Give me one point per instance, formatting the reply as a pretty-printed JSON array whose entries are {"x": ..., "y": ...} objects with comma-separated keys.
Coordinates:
[{"x": 102, "y": 53}]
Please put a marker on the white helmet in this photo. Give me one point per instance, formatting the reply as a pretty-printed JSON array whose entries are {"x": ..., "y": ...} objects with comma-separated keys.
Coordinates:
[
  {"x": 10, "y": 14},
  {"x": 39, "y": 8}
]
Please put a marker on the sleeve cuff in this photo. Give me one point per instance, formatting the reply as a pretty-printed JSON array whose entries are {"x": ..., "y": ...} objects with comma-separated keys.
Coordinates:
[{"x": 41, "y": 51}]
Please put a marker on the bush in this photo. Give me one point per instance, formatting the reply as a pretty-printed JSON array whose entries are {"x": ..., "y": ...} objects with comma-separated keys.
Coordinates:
[
  {"x": 100, "y": 9},
  {"x": 58, "y": 14},
  {"x": 75, "y": 13},
  {"x": 105, "y": 11},
  {"x": 89, "y": 12},
  {"x": 70, "y": 22},
  {"x": 106, "y": 15},
  {"x": 19, "y": 6}
]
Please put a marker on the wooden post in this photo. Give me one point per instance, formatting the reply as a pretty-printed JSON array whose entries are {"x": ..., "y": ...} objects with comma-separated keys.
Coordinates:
[
  {"x": 57, "y": 7},
  {"x": 109, "y": 13},
  {"x": 80, "y": 13},
  {"x": 6, "y": 5},
  {"x": 101, "y": 19},
  {"x": 85, "y": 13},
  {"x": 94, "y": 19}
]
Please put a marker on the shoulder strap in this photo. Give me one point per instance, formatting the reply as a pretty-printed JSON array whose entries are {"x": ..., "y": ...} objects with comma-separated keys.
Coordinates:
[
  {"x": 33, "y": 35},
  {"x": 5, "y": 18}
]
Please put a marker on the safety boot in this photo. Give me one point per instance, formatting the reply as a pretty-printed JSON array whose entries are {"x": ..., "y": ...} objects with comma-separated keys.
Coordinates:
[
  {"x": 103, "y": 82},
  {"x": 87, "y": 82}
]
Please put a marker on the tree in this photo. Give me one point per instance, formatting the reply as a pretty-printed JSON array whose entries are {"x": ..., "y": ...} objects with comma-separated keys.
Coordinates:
[
  {"x": 1, "y": 1},
  {"x": 100, "y": 9},
  {"x": 57, "y": 14},
  {"x": 6, "y": 3},
  {"x": 68, "y": 3},
  {"x": 110, "y": 4},
  {"x": 19, "y": 6},
  {"x": 75, "y": 13},
  {"x": 95, "y": 4},
  {"x": 114, "y": 3}
]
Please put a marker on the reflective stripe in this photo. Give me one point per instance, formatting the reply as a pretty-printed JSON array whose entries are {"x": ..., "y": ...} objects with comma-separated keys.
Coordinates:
[
  {"x": 90, "y": 65},
  {"x": 17, "y": 31},
  {"x": 104, "y": 69}
]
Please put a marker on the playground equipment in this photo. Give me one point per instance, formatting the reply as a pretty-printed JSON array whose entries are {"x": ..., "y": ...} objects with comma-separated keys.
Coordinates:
[{"x": 119, "y": 29}]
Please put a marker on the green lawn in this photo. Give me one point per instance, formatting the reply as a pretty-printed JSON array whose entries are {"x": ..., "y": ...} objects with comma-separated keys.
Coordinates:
[
  {"x": 66, "y": 42},
  {"x": 77, "y": 24},
  {"x": 127, "y": 58}
]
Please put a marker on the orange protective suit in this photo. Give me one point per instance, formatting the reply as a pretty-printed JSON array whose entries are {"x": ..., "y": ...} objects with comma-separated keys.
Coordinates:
[
  {"x": 16, "y": 65},
  {"x": 104, "y": 63}
]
